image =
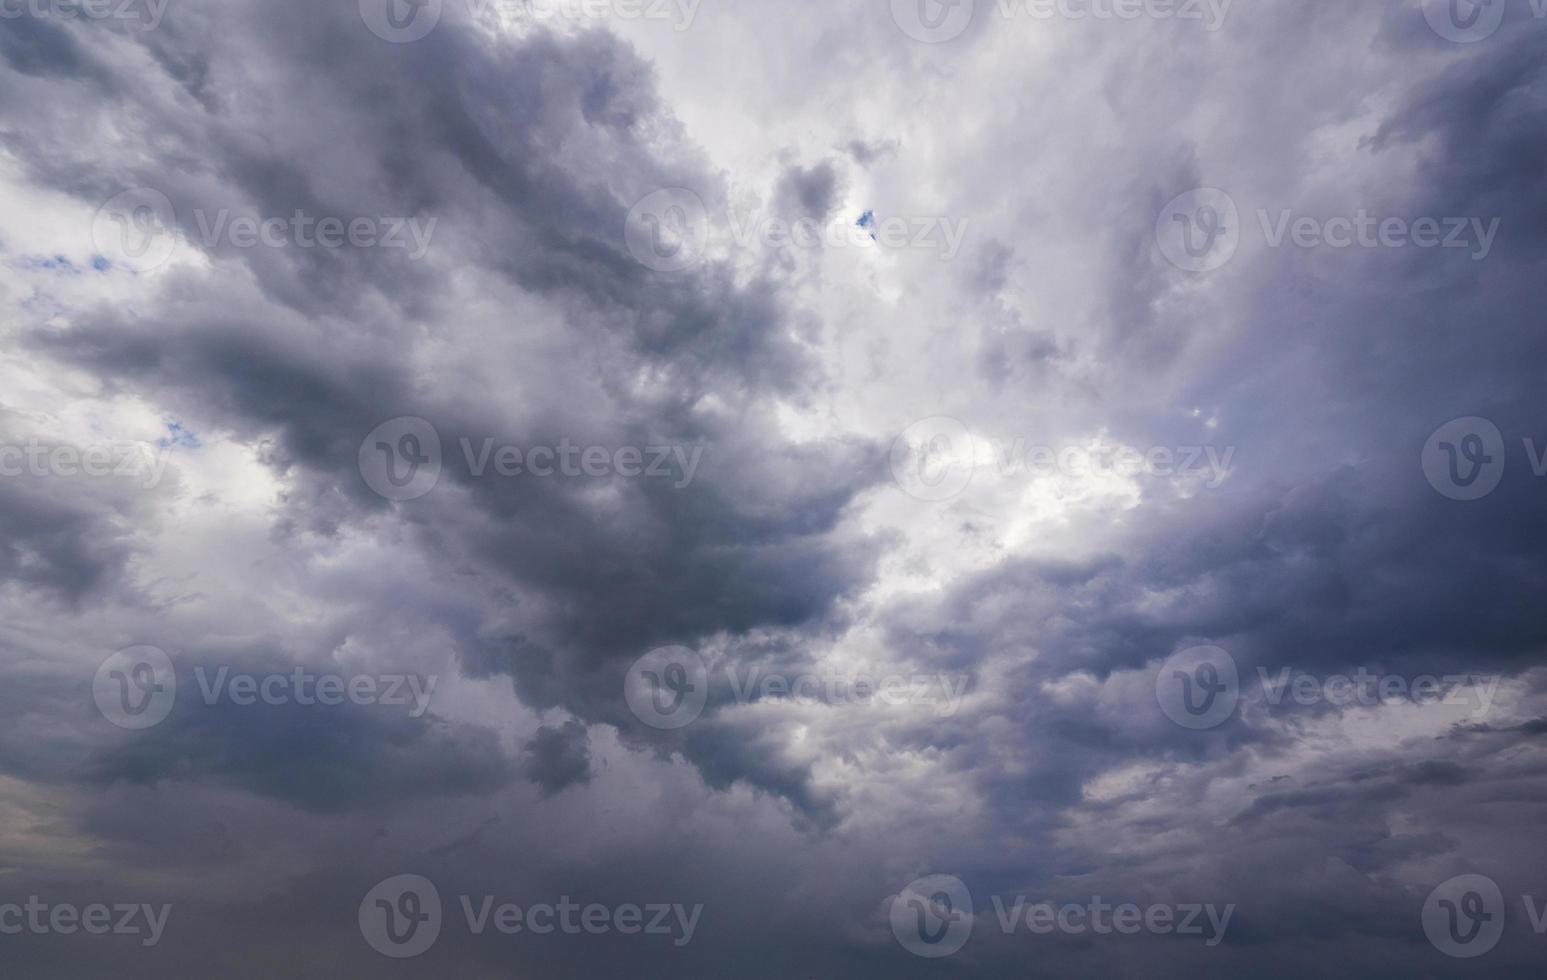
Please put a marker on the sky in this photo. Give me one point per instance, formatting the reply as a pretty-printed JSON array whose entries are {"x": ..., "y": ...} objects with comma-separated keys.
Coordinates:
[{"x": 701, "y": 488}]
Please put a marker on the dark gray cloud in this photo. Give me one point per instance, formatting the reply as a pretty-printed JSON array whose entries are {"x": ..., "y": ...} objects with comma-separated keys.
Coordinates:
[
  {"x": 791, "y": 553},
  {"x": 558, "y": 757}
]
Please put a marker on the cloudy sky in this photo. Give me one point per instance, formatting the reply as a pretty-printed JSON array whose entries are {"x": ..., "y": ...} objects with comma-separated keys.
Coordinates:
[{"x": 703, "y": 488}]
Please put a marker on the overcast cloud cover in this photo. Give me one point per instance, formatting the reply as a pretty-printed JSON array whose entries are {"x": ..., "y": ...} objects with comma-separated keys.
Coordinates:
[{"x": 822, "y": 475}]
